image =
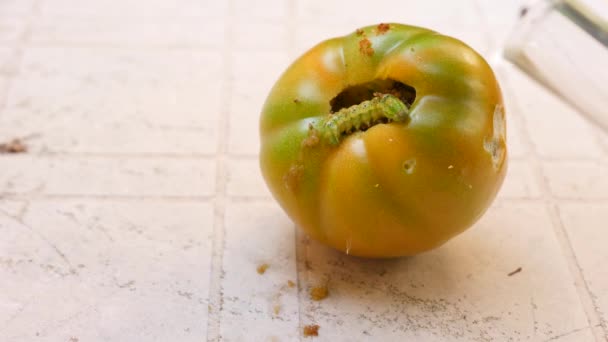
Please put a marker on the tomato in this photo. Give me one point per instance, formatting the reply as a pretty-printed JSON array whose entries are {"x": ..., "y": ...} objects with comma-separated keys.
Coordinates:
[{"x": 385, "y": 142}]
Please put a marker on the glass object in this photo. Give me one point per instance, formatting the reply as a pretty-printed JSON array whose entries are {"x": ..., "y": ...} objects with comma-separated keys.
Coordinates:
[{"x": 564, "y": 45}]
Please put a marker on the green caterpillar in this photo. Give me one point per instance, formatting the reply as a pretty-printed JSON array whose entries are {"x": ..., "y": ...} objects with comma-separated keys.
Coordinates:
[{"x": 383, "y": 107}]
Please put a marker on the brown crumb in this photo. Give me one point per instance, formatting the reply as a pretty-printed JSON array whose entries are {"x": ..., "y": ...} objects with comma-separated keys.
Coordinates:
[
  {"x": 276, "y": 309},
  {"x": 383, "y": 28},
  {"x": 365, "y": 46},
  {"x": 296, "y": 100},
  {"x": 359, "y": 32},
  {"x": 262, "y": 268},
  {"x": 73, "y": 339},
  {"x": 523, "y": 11},
  {"x": 291, "y": 283},
  {"x": 517, "y": 270},
  {"x": 293, "y": 176},
  {"x": 311, "y": 330},
  {"x": 13, "y": 146},
  {"x": 312, "y": 139},
  {"x": 319, "y": 292}
]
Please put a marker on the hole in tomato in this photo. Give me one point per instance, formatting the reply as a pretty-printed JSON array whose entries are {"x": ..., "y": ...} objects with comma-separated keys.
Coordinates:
[
  {"x": 357, "y": 108},
  {"x": 409, "y": 165},
  {"x": 356, "y": 94}
]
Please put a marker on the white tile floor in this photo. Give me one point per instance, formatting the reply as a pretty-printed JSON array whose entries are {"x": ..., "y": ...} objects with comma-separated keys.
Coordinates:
[{"x": 139, "y": 212}]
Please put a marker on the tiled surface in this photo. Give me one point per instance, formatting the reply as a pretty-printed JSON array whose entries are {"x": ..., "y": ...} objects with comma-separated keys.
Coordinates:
[
  {"x": 556, "y": 131},
  {"x": 460, "y": 292},
  {"x": 258, "y": 307},
  {"x": 132, "y": 8},
  {"x": 124, "y": 267},
  {"x": 585, "y": 225},
  {"x": 139, "y": 212},
  {"x": 151, "y": 100},
  {"x": 247, "y": 101},
  {"x": 85, "y": 176}
]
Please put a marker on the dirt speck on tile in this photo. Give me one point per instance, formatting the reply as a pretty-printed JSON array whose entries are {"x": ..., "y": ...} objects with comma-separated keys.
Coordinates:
[
  {"x": 517, "y": 270},
  {"x": 311, "y": 330},
  {"x": 262, "y": 268},
  {"x": 276, "y": 309},
  {"x": 16, "y": 145},
  {"x": 319, "y": 292}
]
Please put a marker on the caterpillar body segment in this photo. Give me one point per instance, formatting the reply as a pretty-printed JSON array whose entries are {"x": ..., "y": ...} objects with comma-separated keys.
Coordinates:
[{"x": 382, "y": 108}]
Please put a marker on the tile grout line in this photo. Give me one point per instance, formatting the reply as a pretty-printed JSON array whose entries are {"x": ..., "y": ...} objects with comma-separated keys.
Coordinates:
[
  {"x": 149, "y": 47},
  {"x": 551, "y": 203},
  {"x": 216, "y": 274},
  {"x": 238, "y": 156},
  {"x": 120, "y": 155},
  {"x": 301, "y": 250},
  {"x": 585, "y": 295},
  {"x": 235, "y": 198},
  {"x": 103, "y": 197},
  {"x": 301, "y": 279},
  {"x": 598, "y": 134}
]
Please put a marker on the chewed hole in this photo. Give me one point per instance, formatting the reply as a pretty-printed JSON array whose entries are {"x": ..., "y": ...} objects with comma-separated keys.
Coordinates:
[
  {"x": 358, "y": 108},
  {"x": 495, "y": 145},
  {"x": 496, "y": 151},
  {"x": 362, "y": 92},
  {"x": 409, "y": 165}
]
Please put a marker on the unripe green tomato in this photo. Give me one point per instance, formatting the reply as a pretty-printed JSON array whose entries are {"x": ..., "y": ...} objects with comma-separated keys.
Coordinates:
[{"x": 386, "y": 142}]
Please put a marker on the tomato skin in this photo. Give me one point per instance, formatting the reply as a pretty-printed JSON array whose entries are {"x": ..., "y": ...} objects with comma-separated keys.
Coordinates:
[{"x": 397, "y": 188}]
